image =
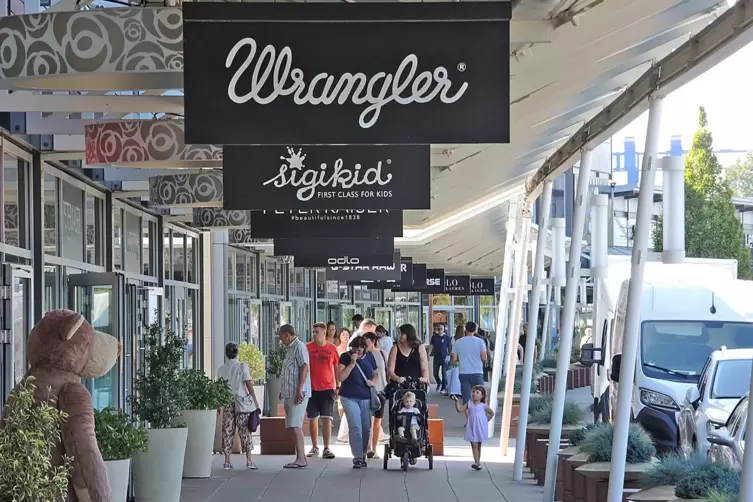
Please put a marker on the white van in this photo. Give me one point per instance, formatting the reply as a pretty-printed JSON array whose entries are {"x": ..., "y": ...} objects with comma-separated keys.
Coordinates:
[{"x": 688, "y": 310}]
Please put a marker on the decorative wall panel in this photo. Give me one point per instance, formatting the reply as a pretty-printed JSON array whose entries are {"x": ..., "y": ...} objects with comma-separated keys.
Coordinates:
[
  {"x": 146, "y": 143},
  {"x": 242, "y": 237},
  {"x": 98, "y": 50},
  {"x": 214, "y": 217},
  {"x": 202, "y": 189}
]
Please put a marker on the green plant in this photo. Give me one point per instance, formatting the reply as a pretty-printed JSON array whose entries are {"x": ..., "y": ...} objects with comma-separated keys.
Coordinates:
[
  {"x": 671, "y": 468},
  {"x": 715, "y": 496},
  {"x": 251, "y": 355},
  {"x": 714, "y": 478},
  {"x": 28, "y": 435},
  {"x": 203, "y": 393},
  {"x": 518, "y": 383},
  {"x": 275, "y": 360},
  {"x": 159, "y": 393},
  {"x": 576, "y": 437},
  {"x": 117, "y": 436},
  {"x": 598, "y": 444},
  {"x": 549, "y": 362},
  {"x": 572, "y": 414},
  {"x": 538, "y": 401}
]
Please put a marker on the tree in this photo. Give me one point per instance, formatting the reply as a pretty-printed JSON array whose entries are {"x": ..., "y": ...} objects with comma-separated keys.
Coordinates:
[
  {"x": 740, "y": 176},
  {"x": 712, "y": 225}
]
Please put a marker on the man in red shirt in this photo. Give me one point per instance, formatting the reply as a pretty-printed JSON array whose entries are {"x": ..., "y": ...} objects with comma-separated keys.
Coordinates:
[{"x": 323, "y": 360}]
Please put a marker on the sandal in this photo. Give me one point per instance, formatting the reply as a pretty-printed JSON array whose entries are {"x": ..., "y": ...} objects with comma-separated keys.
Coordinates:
[
  {"x": 252, "y": 466},
  {"x": 227, "y": 467},
  {"x": 292, "y": 465}
]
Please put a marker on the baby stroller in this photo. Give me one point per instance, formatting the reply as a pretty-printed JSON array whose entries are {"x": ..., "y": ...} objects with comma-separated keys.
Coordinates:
[{"x": 403, "y": 447}]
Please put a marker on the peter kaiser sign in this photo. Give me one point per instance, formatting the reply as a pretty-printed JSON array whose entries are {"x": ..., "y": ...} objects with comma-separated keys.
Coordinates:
[
  {"x": 327, "y": 177},
  {"x": 326, "y": 223},
  {"x": 344, "y": 73}
]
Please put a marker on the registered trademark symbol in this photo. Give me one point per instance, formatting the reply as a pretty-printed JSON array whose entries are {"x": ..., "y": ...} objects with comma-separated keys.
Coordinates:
[
  {"x": 461, "y": 67},
  {"x": 389, "y": 161}
]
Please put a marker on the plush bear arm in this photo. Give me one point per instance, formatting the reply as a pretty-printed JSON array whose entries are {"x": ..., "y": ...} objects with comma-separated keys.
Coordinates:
[{"x": 89, "y": 475}]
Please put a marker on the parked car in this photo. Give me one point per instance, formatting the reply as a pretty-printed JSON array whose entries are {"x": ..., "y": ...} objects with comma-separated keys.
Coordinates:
[
  {"x": 728, "y": 442},
  {"x": 725, "y": 379}
]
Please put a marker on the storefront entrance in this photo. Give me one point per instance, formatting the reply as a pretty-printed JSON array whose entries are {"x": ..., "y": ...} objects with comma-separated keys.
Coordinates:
[{"x": 15, "y": 325}]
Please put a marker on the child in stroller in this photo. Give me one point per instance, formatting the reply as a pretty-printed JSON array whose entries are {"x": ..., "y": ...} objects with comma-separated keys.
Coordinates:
[{"x": 409, "y": 425}]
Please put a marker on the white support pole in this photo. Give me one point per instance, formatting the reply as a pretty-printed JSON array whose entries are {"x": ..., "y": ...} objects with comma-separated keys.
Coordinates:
[
  {"x": 568, "y": 323},
  {"x": 599, "y": 267},
  {"x": 502, "y": 313},
  {"x": 633, "y": 309},
  {"x": 673, "y": 207},
  {"x": 746, "y": 486},
  {"x": 521, "y": 289},
  {"x": 546, "y": 327},
  {"x": 533, "y": 324}
]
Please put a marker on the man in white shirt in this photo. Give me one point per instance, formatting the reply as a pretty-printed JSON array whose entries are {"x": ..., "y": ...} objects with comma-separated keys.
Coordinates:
[
  {"x": 470, "y": 352},
  {"x": 296, "y": 389}
]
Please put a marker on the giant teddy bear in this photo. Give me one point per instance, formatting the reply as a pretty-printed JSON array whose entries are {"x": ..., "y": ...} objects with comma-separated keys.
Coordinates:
[{"x": 62, "y": 349}]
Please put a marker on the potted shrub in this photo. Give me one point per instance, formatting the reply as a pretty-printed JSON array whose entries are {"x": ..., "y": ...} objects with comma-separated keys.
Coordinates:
[
  {"x": 119, "y": 440},
  {"x": 576, "y": 437},
  {"x": 27, "y": 435},
  {"x": 659, "y": 481},
  {"x": 158, "y": 400},
  {"x": 716, "y": 479},
  {"x": 572, "y": 414},
  {"x": 274, "y": 380},
  {"x": 251, "y": 355},
  {"x": 203, "y": 397}
]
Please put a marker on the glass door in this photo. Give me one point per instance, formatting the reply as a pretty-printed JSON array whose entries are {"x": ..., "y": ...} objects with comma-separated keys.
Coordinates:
[
  {"x": 254, "y": 320},
  {"x": 100, "y": 298},
  {"x": 15, "y": 325},
  {"x": 335, "y": 314},
  {"x": 383, "y": 316},
  {"x": 347, "y": 311},
  {"x": 270, "y": 321}
]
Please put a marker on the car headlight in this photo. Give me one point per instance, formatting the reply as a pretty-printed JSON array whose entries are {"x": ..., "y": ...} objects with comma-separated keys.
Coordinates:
[
  {"x": 657, "y": 399},
  {"x": 712, "y": 425}
]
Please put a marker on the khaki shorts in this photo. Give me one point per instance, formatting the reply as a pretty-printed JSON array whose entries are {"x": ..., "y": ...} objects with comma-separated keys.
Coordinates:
[{"x": 294, "y": 412}]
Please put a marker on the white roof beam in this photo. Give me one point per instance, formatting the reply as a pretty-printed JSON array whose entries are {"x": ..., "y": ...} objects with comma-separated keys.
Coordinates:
[
  {"x": 24, "y": 101},
  {"x": 731, "y": 31},
  {"x": 531, "y": 32}
]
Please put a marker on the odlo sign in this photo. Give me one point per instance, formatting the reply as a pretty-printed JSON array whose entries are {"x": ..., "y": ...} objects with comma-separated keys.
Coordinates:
[
  {"x": 341, "y": 73},
  {"x": 327, "y": 177}
]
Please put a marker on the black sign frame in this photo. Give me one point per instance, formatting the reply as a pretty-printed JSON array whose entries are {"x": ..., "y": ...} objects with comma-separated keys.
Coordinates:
[
  {"x": 326, "y": 223},
  {"x": 324, "y": 252},
  {"x": 327, "y": 177},
  {"x": 361, "y": 274},
  {"x": 458, "y": 285},
  {"x": 448, "y": 63},
  {"x": 435, "y": 281},
  {"x": 482, "y": 286}
]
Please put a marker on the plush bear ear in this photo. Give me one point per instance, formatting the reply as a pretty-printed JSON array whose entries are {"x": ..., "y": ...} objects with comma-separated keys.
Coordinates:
[{"x": 71, "y": 325}]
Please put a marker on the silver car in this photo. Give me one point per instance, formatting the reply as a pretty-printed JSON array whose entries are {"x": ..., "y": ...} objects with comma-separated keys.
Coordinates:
[{"x": 728, "y": 442}]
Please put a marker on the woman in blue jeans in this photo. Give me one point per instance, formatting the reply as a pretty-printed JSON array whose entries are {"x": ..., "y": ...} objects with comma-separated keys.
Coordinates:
[{"x": 357, "y": 372}]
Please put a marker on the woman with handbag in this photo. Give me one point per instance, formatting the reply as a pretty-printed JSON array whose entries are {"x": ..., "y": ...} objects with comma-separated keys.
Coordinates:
[
  {"x": 357, "y": 373},
  {"x": 380, "y": 355},
  {"x": 238, "y": 414}
]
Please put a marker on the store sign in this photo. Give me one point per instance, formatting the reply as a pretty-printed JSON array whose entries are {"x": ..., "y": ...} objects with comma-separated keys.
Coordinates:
[
  {"x": 457, "y": 285},
  {"x": 364, "y": 273},
  {"x": 405, "y": 279},
  {"x": 435, "y": 281},
  {"x": 72, "y": 222},
  {"x": 326, "y": 252},
  {"x": 350, "y": 223},
  {"x": 338, "y": 73},
  {"x": 482, "y": 287},
  {"x": 327, "y": 177},
  {"x": 133, "y": 244}
]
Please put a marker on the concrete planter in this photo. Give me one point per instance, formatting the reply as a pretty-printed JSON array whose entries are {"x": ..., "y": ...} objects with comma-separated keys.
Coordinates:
[
  {"x": 117, "y": 474},
  {"x": 658, "y": 494},
  {"x": 201, "y": 424},
  {"x": 597, "y": 478},
  {"x": 158, "y": 472},
  {"x": 274, "y": 386}
]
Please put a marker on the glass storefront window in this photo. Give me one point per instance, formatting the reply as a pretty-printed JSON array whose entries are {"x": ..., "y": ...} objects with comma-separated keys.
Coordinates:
[
  {"x": 50, "y": 214},
  {"x": 117, "y": 236},
  {"x": 92, "y": 219},
  {"x": 255, "y": 323},
  {"x": 271, "y": 277},
  {"x": 251, "y": 273},
  {"x": 280, "y": 276},
  {"x": 166, "y": 254},
  {"x": 441, "y": 300},
  {"x": 11, "y": 192},
  {"x": 407, "y": 314},
  {"x": 230, "y": 268},
  {"x": 240, "y": 272},
  {"x": 191, "y": 246},
  {"x": 179, "y": 256},
  {"x": 462, "y": 300},
  {"x": 51, "y": 296}
]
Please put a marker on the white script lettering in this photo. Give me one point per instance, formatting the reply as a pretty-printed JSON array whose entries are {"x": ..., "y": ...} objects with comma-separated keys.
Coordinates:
[{"x": 404, "y": 87}]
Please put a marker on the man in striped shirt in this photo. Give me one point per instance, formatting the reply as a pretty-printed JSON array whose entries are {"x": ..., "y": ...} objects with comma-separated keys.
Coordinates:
[{"x": 296, "y": 389}]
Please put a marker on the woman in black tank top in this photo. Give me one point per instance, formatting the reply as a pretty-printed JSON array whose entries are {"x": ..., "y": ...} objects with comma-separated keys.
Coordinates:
[{"x": 408, "y": 357}]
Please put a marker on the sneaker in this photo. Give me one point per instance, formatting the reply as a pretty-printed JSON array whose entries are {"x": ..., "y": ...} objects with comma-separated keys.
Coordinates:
[
  {"x": 328, "y": 454},
  {"x": 227, "y": 467},
  {"x": 356, "y": 464},
  {"x": 363, "y": 463},
  {"x": 252, "y": 466},
  {"x": 370, "y": 454},
  {"x": 476, "y": 467},
  {"x": 313, "y": 452}
]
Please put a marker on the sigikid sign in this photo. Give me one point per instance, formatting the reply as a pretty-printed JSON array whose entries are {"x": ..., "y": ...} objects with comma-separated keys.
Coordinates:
[
  {"x": 327, "y": 177},
  {"x": 343, "y": 73}
]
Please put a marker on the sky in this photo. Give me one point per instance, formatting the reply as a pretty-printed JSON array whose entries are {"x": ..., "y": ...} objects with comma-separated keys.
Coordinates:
[{"x": 723, "y": 90}]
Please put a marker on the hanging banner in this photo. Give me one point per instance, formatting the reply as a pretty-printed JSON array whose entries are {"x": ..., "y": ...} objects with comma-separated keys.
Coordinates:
[
  {"x": 326, "y": 223},
  {"x": 327, "y": 177},
  {"x": 323, "y": 252},
  {"x": 362, "y": 273},
  {"x": 434, "y": 281},
  {"x": 417, "y": 283},
  {"x": 459, "y": 285},
  {"x": 482, "y": 286},
  {"x": 343, "y": 73},
  {"x": 406, "y": 277}
]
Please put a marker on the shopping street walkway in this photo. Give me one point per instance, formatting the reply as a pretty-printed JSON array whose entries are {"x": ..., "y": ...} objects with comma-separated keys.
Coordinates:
[{"x": 452, "y": 479}]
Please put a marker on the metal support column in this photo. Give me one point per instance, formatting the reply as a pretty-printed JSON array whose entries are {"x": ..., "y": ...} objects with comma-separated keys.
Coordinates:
[
  {"x": 568, "y": 323},
  {"x": 219, "y": 288},
  {"x": 546, "y": 327},
  {"x": 521, "y": 289},
  {"x": 37, "y": 235},
  {"x": 502, "y": 312},
  {"x": 533, "y": 324},
  {"x": 635, "y": 292}
]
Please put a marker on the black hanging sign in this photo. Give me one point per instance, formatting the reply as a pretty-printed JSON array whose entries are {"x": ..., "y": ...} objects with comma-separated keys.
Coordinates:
[
  {"x": 364, "y": 273},
  {"x": 326, "y": 223},
  {"x": 406, "y": 277},
  {"x": 457, "y": 285},
  {"x": 434, "y": 281},
  {"x": 327, "y": 177},
  {"x": 344, "y": 73},
  {"x": 324, "y": 252},
  {"x": 417, "y": 283},
  {"x": 482, "y": 286}
]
